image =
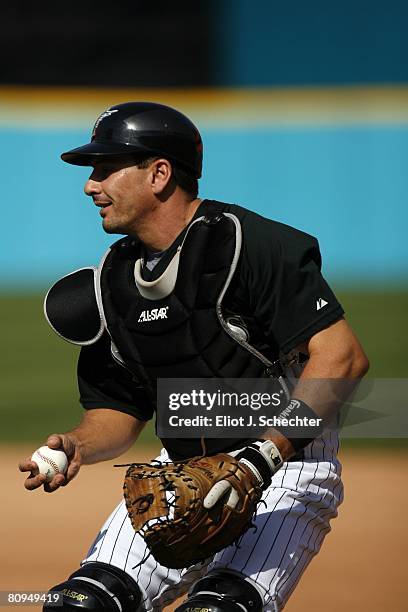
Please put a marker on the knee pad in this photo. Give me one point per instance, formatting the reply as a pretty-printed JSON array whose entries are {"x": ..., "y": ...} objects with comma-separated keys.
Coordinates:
[
  {"x": 222, "y": 591},
  {"x": 96, "y": 587}
]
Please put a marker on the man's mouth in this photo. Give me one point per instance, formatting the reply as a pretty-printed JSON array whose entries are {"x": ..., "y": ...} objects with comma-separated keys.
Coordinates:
[{"x": 102, "y": 205}]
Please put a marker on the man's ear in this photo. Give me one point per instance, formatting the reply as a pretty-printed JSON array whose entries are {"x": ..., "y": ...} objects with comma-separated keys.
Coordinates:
[{"x": 161, "y": 174}]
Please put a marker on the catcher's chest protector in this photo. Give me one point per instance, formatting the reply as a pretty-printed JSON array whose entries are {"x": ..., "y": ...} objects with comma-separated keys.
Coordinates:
[{"x": 173, "y": 326}]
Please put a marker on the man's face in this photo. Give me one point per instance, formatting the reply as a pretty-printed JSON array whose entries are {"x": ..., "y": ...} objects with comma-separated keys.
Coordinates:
[{"x": 122, "y": 191}]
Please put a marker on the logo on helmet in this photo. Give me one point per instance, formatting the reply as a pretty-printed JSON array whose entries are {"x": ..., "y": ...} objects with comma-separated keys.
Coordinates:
[{"x": 105, "y": 114}]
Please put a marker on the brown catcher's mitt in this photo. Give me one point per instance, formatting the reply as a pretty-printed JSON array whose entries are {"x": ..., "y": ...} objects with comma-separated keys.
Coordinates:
[{"x": 165, "y": 504}]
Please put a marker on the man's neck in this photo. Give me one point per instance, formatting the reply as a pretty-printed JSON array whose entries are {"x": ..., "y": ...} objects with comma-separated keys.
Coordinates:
[{"x": 166, "y": 223}]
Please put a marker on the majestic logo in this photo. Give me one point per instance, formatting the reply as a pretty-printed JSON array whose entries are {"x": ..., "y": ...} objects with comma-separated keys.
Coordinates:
[
  {"x": 105, "y": 114},
  {"x": 153, "y": 314},
  {"x": 286, "y": 412},
  {"x": 320, "y": 303}
]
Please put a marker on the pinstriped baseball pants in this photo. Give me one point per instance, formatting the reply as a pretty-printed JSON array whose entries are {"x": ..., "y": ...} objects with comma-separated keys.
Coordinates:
[{"x": 289, "y": 530}]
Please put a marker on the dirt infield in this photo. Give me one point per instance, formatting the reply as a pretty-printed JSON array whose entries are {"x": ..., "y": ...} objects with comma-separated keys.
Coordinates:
[{"x": 362, "y": 565}]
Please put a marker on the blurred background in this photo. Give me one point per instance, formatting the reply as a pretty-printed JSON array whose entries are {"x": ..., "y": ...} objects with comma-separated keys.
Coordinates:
[{"x": 303, "y": 109}]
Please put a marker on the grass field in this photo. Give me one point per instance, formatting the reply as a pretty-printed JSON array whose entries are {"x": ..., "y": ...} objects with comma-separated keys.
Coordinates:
[{"x": 39, "y": 393}]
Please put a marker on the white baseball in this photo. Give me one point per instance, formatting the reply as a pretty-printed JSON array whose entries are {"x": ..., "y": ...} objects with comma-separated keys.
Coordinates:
[{"x": 50, "y": 462}]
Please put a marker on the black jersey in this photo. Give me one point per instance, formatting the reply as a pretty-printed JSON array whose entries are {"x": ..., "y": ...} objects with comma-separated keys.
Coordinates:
[{"x": 278, "y": 282}]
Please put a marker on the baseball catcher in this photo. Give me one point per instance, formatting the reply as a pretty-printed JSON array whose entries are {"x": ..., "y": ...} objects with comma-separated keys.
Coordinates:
[{"x": 196, "y": 289}]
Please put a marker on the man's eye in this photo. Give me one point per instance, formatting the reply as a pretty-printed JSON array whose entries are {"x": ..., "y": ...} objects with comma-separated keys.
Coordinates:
[{"x": 103, "y": 170}]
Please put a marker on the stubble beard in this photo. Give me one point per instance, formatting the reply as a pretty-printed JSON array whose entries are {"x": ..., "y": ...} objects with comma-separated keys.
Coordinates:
[
  {"x": 117, "y": 225},
  {"x": 113, "y": 227},
  {"x": 109, "y": 229}
]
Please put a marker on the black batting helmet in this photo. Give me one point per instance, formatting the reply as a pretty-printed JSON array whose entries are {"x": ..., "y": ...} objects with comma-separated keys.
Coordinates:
[{"x": 145, "y": 128}]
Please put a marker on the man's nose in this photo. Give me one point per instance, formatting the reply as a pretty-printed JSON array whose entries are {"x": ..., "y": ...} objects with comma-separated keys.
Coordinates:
[{"x": 92, "y": 187}]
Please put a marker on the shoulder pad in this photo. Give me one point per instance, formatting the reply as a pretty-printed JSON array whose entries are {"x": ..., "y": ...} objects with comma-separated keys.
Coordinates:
[{"x": 72, "y": 307}]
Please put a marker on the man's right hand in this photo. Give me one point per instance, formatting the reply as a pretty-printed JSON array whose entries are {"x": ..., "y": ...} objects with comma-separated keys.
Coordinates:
[
  {"x": 102, "y": 434},
  {"x": 71, "y": 447}
]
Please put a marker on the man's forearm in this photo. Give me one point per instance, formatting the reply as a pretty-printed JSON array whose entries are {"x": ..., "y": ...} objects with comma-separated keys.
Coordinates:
[
  {"x": 105, "y": 434},
  {"x": 332, "y": 373},
  {"x": 325, "y": 393},
  {"x": 319, "y": 401}
]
